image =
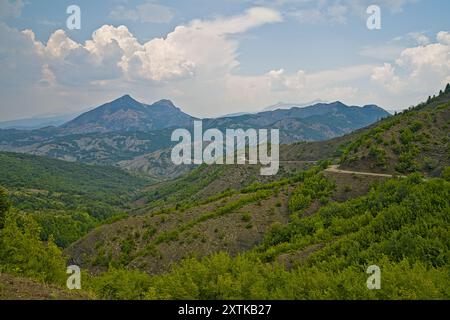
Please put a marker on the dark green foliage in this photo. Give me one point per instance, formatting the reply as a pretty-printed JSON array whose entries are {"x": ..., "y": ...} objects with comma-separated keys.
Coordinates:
[
  {"x": 65, "y": 228},
  {"x": 406, "y": 162},
  {"x": 416, "y": 125},
  {"x": 72, "y": 184},
  {"x": 185, "y": 187},
  {"x": 380, "y": 156},
  {"x": 4, "y": 206},
  {"x": 66, "y": 199}
]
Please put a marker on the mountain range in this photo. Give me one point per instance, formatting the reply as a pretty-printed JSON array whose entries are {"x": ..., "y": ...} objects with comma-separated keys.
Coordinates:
[{"x": 136, "y": 136}]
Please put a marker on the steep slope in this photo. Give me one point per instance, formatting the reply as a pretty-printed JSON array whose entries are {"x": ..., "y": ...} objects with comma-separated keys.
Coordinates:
[
  {"x": 418, "y": 139},
  {"x": 194, "y": 214},
  {"x": 127, "y": 114},
  {"x": 434, "y": 117}
]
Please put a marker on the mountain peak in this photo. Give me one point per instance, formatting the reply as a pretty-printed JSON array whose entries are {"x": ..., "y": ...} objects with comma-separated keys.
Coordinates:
[
  {"x": 338, "y": 104},
  {"x": 126, "y": 98},
  {"x": 164, "y": 103}
]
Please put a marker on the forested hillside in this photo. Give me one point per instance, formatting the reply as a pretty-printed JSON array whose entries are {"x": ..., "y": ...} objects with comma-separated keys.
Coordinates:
[{"x": 67, "y": 199}]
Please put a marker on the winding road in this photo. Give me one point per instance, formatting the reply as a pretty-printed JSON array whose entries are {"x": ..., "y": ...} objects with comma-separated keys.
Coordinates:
[{"x": 335, "y": 169}]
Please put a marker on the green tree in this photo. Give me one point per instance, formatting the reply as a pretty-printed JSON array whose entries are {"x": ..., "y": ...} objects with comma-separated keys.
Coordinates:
[
  {"x": 4, "y": 206},
  {"x": 23, "y": 253}
]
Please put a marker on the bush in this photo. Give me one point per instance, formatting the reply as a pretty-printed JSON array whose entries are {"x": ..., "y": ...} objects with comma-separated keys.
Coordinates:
[
  {"x": 246, "y": 217},
  {"x": 120, "y": 285}
]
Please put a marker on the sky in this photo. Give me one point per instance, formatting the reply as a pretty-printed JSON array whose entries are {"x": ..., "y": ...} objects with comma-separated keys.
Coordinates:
[{"x": 219, "y": 57}]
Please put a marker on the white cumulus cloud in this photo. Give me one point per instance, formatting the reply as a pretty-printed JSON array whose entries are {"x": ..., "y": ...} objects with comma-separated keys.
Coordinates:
[{"x": 418, "y": 69}]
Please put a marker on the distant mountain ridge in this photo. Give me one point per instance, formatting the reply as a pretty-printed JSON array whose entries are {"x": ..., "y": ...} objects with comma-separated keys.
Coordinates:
[
  {"x": 283, "y": 105},
  {"x": 37, "y": 122},
  {"x": 317, "y": 122},
  {"x": 136, "y": 136},
  {"x": 127, "y": 114}
]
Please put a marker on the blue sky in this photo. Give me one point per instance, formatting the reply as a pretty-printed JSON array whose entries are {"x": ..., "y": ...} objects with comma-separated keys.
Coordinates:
[{"x": 220, "y": 57}]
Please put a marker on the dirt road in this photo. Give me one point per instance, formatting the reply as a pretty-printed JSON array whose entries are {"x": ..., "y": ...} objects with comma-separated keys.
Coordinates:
[{"x": 335, "y": 168}]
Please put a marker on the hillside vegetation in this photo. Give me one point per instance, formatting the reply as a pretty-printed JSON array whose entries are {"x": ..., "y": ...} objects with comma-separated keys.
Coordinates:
[
  {"x": 67, "y": 199},
  {"x": 415, "y": 140}
]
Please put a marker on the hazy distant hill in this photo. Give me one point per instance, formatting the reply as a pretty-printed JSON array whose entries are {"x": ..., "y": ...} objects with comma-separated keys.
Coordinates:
[
  {"x": 283, "y": 105},
  {"x": 36, "y": 123}
]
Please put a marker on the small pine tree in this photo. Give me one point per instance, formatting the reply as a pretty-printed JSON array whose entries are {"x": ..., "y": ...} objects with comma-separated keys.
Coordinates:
[
  {"x": 429, "y": 99},
  {"x": 447, "y": 88}
]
